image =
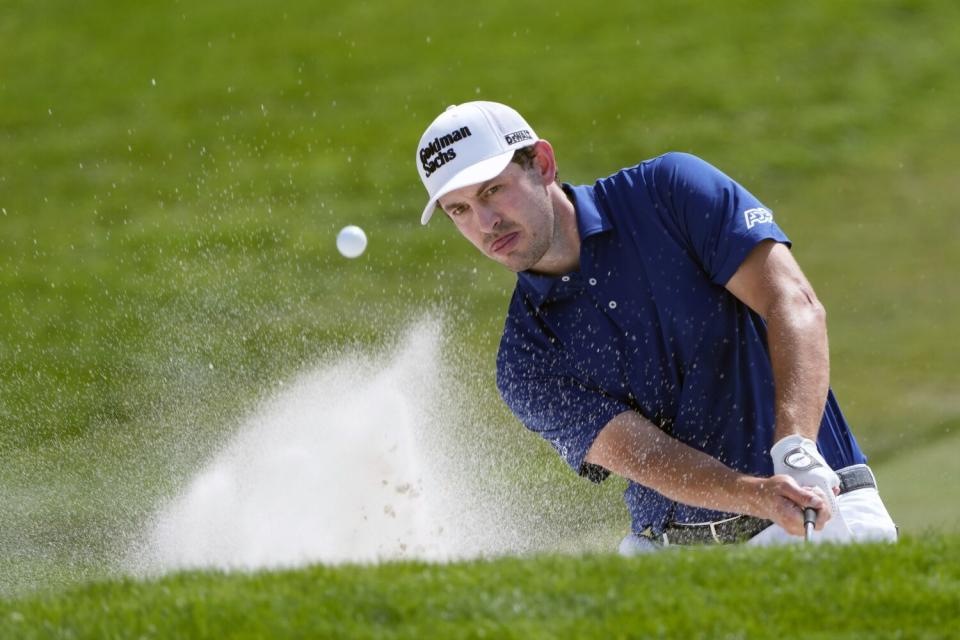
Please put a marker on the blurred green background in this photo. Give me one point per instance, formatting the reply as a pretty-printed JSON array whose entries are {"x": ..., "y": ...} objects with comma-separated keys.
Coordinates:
[{"x": 173, "y": 174}]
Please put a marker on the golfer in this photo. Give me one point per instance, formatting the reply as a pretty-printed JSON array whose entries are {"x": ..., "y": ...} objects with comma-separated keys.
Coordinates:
[{"x": 661, "y": 330}]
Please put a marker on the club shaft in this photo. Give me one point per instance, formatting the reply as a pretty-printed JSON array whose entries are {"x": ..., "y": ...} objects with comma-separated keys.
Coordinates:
[{"x": 809, "y": 520}]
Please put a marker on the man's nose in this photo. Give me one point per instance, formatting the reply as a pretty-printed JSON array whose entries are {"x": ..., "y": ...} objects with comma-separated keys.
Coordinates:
[{"x": 488, "y": 218}]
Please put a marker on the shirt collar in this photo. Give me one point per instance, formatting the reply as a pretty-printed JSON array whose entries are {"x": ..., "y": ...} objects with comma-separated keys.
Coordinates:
[{"x": 590, "y": 221}]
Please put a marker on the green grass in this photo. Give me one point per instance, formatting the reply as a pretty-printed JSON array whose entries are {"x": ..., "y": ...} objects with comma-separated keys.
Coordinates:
[
  {"x": 922, "y": 483},
  {"x": 173, "y": 175},
  {"x": 910, "y": 590}
]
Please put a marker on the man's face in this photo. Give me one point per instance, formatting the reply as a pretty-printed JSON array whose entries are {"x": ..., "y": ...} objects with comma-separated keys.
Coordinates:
[{"x": 510, "y": 218}]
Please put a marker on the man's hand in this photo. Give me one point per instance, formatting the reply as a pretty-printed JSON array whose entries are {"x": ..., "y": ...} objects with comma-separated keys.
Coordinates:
[
  {"x": 798, "y": 458},
  {"x": 782, "y": 500}
]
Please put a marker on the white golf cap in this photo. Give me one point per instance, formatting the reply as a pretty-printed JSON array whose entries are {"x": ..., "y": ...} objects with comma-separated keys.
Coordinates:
[{"x": 468, "y": 144}]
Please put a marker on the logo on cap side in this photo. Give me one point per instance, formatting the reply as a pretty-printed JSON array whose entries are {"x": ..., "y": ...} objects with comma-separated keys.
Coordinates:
[
  {"x": 518, "y": 136},
  {"x": 438, "y": 147}
]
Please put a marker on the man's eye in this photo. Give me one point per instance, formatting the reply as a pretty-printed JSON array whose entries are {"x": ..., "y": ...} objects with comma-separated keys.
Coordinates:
[
  {"x": 492, "y": 190},
  {"x": 457, "y": 211}
]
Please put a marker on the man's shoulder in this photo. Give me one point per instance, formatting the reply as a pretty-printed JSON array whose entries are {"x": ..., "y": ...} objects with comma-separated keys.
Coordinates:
[
  {"x": 518, "y": 314},
  {"x": 646, "y": 178},
  {"x": 667, "y": 162},
  {"x": 514, "y": 341},
  {"x": 650, "y": 185},
  {"x": 614, "y": 201},
  {"x": 522, "y": 335}
]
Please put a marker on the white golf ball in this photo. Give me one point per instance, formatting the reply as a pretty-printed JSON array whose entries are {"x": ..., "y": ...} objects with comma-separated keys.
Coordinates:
[{"x": 351, "y": 241}]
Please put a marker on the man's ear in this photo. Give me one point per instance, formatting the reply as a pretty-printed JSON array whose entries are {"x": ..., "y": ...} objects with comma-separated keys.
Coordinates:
[{"x": 544, "y": 161}]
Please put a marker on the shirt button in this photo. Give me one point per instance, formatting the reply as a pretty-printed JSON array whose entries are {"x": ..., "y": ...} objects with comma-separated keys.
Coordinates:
[
  {"x": 565, "y": 278},
  {"x": 592, "y": 281},
  {"x": 612, "y": 304}
]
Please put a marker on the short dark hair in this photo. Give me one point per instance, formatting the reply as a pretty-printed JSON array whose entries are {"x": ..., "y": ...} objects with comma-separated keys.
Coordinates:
[{"x": 524, "y": 157}]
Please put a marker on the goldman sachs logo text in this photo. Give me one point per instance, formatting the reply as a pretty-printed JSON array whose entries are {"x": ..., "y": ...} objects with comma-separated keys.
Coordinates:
[{"x": 435, "y": 155}]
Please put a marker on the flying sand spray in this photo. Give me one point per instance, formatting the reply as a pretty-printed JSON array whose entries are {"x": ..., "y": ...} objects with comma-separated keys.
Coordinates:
[{"x": 345, "y": 464}]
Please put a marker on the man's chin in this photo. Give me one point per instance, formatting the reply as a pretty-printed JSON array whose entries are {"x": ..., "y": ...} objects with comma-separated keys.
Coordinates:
[
  {"x": 518, "y": 265},
  {"x": 517, "y": 260}
]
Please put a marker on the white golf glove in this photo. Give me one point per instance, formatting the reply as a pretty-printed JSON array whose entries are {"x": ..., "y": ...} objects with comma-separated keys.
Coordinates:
[{"x": 798, "y": 458}]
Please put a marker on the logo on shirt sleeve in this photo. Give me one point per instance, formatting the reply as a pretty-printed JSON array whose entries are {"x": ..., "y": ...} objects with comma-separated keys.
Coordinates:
[{"x": 757, "y": 216}]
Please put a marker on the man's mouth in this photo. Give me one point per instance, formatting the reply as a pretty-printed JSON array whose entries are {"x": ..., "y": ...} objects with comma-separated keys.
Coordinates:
[{"x": 504, "y": 243}]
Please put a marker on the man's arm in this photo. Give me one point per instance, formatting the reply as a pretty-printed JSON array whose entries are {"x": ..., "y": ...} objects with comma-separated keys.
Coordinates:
[
  {"x": 771, "y": 283},
  {"x": 633, "y": 447}
]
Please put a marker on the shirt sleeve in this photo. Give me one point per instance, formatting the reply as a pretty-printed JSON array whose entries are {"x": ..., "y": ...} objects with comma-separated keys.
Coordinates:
[
  {"x": 548, "y": 401},
  {"x": 721, "y": 221}
]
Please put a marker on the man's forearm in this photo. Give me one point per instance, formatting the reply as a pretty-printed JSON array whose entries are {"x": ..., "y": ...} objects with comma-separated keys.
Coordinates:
[
  {"x": 632, "y": 447},
  {"x": 694, "y": 478},
  {"x": 799, "y": 353}
]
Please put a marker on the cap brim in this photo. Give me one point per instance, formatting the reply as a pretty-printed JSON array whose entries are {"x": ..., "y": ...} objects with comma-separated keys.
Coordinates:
[{"x": 474, "y": 174}]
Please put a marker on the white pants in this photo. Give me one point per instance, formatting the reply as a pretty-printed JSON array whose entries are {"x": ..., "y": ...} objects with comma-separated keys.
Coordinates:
[{"x": 862, "y": 518}]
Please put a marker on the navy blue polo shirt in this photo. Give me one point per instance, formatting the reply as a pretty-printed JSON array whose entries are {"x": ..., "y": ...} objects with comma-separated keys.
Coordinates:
[{"x": 646, "y": 324}]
